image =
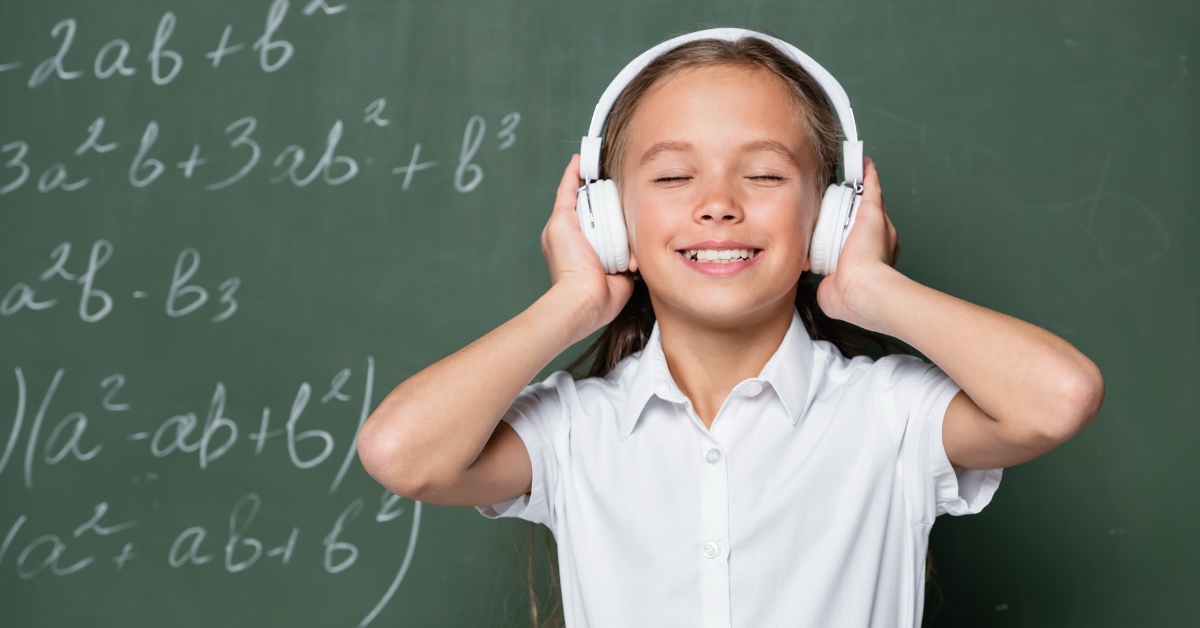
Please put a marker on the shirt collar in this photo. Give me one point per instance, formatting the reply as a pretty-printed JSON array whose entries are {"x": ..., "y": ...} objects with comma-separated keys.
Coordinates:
[{"x": 789, "y": 372}]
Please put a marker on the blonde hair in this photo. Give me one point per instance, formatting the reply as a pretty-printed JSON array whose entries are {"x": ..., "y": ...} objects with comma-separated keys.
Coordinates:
[{"x": 628, "y": 332}]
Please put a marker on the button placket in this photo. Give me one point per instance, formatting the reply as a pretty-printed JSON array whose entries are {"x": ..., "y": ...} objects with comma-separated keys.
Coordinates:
[{"x": 713, "y": 545}]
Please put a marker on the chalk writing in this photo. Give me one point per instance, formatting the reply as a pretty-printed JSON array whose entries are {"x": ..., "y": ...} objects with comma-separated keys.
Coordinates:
[
  {"x": 182, "y": 295},
  {"x": 241, "y": 155},
  {"x": 135, "y": 442},
  {"x": 32, "y": 548}
]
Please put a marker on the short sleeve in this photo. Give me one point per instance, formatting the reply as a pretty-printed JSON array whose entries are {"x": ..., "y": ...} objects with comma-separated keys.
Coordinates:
[
  {"x": 540, "y": 416},
  {"x": 921, "y": 393}
]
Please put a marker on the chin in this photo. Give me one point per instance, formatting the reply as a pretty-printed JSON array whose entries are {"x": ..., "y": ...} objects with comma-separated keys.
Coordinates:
[{"x": 692, "y": 304}]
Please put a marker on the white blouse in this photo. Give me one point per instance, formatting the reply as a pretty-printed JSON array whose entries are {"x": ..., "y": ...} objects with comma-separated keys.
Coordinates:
[{"x": 809, "y": 503}]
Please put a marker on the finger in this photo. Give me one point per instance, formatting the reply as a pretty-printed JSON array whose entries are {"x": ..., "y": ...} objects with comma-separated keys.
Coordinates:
[
  {"x": 871, "y": 189},
  {"x": 568, "y": 188}
]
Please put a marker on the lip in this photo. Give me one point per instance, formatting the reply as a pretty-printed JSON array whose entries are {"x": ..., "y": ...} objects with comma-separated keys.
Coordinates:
[{"x": 719, "y": 269}]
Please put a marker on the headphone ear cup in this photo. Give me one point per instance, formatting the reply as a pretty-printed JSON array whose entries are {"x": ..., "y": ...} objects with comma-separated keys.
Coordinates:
[
  {"x": 608, "y": 237},
  {"x": 830, "y": 233},
  {"x": 855, "y": 201},
  {"x": 589, "y": 224},
  {"x": 614, "y": 222}
]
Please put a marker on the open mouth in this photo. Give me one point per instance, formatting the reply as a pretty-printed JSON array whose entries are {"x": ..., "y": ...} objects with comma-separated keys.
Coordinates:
[{"x": 719, "y": 256}]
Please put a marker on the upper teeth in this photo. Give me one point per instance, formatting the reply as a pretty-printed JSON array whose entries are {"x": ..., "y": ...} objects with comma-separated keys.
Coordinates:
[{"x": 719, "y": 254}]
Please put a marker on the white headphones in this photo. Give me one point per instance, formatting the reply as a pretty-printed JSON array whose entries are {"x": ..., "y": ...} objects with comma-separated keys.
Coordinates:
[{"x": 599, "y": 206}]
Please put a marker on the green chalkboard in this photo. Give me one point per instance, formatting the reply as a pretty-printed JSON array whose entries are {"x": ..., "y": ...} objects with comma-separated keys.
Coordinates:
[{"x": 227, "y": 229}]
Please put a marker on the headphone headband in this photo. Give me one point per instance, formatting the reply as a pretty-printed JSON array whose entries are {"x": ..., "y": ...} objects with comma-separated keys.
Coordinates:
[{"x": 852, "y": 162}]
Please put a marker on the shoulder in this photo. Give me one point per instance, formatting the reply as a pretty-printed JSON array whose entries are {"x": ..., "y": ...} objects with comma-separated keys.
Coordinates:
[
  {"x": 837, "y": 372},
  {"x": 562, "y": 386},
  {"x": 891, "y": 390}
]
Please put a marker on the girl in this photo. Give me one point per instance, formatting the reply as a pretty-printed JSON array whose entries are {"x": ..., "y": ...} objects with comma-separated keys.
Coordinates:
[{"x": 732, "y": 458}]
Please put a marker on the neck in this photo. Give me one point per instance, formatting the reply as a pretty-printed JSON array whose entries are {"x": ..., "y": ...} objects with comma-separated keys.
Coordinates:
[{"x": 707, "y": 359}]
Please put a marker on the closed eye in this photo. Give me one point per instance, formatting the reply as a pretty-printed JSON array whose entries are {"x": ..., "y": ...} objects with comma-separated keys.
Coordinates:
[{"x": 770, "y": 177}]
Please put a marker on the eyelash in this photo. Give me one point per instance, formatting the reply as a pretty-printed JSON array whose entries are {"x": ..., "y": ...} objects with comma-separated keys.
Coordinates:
[{"x": 764, "y": 176}]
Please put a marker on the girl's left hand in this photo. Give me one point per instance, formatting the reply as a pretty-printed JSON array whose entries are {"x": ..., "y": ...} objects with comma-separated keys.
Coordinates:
[{"x": 871, "y": 247}]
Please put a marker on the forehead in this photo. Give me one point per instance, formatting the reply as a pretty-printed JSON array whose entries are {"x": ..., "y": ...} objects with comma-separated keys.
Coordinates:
[{"x": 719, "y": 103}]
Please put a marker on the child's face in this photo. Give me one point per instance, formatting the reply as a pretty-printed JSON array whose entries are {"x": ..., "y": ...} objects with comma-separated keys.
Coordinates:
[{"x": 720, "y": 188}]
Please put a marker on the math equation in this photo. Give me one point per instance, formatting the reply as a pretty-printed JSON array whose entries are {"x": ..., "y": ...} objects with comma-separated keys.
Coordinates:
[{"x": 198, "y": 276}]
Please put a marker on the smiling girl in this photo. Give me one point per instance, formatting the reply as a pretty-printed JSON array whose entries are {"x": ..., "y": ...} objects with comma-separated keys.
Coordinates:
[{"x": 732, "y": 456}]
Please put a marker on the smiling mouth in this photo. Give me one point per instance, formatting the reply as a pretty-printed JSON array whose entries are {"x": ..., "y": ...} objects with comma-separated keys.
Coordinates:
[{"x": 719, "y": 256}]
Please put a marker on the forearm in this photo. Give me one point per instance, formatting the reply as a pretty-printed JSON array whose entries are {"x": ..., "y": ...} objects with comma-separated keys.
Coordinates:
[
  {"x": 1016, "y": 372},
  {"x": 435, "y": 423}
]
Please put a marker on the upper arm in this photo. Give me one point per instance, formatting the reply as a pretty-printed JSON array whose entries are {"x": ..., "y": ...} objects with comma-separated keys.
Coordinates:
[
  {"x": 516, "y": 474},
  {"x": 513, "y": 475},
  {"x": 918, "y": 397},
  {"x": 501, "y": 472},
  {"x": 974, "y": 440}
]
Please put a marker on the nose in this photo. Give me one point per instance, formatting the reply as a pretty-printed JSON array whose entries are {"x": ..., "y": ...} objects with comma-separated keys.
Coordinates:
[{"x": 718, "y": 204}]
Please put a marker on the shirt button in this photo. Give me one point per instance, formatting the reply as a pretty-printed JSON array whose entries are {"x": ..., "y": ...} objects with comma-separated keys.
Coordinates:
[
  {"x": 713, "y": 456},
  {"x": 753, "y": 388},
  {"x": 710, "y": 550}
]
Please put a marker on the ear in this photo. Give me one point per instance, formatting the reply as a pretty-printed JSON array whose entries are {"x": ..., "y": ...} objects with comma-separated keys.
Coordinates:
[{"x": 633, "y": 265}]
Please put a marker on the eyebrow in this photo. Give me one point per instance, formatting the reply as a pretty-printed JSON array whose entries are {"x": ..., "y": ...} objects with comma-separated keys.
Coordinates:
[{"x": 773, "y": 146}]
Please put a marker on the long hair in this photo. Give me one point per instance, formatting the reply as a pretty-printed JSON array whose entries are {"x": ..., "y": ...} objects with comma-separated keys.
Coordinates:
[{"x": 629, "y": 331}]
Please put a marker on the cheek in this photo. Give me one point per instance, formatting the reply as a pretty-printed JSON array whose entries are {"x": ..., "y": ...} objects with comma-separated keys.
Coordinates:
[
  {"x": 807, "y": 222},
  {"x": 644, "y": 225},
  {"x": 792, "y": 233}
]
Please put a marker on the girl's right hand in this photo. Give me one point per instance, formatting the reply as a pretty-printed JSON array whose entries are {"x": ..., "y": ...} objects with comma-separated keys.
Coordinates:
[{"x": 574, "y": 265}]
